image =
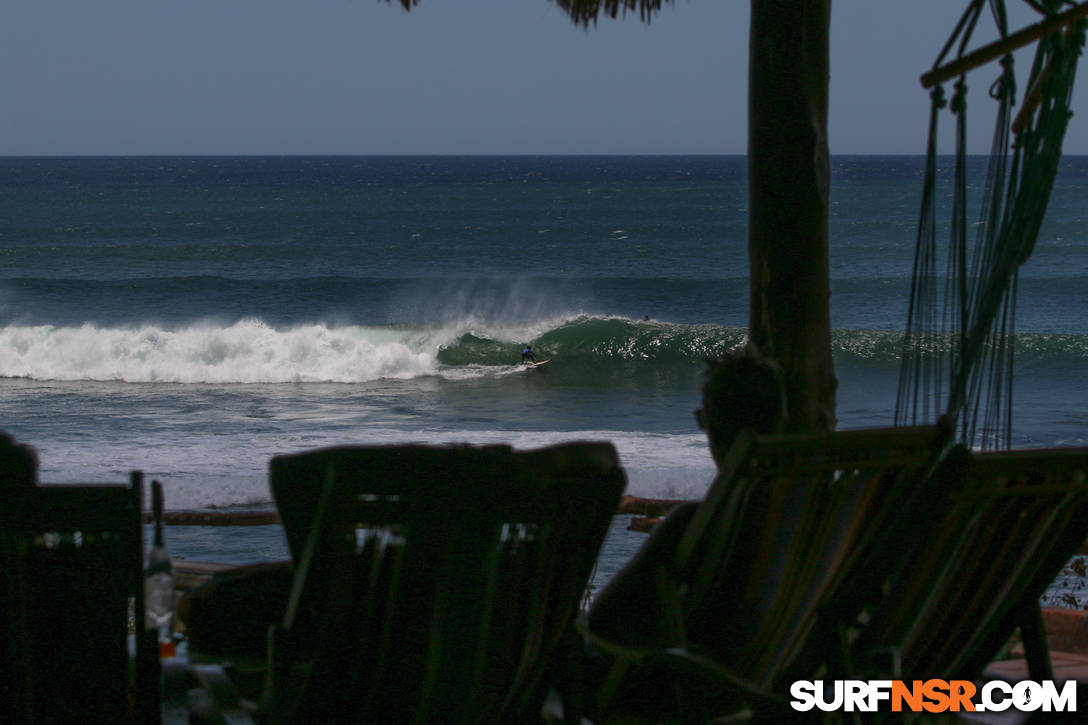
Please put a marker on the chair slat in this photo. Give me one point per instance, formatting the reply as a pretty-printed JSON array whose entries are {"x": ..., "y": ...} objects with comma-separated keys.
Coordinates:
[
  {"x": 788, "y": 545},
  {"x": 985, "y": 563},
  {"x": 442, "y": 579},
  {"x": 74, "y": 564}
]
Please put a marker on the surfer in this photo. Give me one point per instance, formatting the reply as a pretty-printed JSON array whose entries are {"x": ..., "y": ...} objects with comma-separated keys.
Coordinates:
[{"x": 527, "y": 355}]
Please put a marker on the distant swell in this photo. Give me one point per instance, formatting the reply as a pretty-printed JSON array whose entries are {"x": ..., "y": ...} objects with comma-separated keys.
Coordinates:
[{"x": 252, "y": 351}]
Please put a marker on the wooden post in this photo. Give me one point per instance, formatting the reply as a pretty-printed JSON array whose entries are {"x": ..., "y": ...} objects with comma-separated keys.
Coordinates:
[{"x": 788, "y": 182}]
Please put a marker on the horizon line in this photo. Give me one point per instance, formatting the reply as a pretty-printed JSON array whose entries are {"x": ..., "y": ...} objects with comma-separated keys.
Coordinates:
[{"x": 444, "y": 155}]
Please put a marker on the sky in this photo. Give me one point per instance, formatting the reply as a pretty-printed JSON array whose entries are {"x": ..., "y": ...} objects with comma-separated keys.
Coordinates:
[{"x": 136, "y": 77}]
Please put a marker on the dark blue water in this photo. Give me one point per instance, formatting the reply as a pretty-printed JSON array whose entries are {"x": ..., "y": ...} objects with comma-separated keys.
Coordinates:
[{"x": 194, "y": 316}]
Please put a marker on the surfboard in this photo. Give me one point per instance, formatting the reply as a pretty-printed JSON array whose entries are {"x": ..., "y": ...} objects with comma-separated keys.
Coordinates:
[{"x": 529, "y": 364}]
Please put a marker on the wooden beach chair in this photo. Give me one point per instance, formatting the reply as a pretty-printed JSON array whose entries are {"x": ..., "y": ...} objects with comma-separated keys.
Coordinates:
[
  {"x": 746, "y": 591},
  {"x": 437, "y": 582},
  {"x": 983, "y": 569},
  {"x": 18, "y": 475},
  {"x": 73, "y": 559}
]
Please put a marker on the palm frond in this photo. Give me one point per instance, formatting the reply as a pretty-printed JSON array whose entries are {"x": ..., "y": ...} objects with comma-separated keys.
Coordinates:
[{"x": 585, "y": 11}]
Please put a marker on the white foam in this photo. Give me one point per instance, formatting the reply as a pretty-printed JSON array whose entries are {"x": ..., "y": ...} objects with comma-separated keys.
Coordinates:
[
  {"x": 216, "y": 470},
  {"x": 246, "y": 352},
  {"x": 249, "y": 351}
]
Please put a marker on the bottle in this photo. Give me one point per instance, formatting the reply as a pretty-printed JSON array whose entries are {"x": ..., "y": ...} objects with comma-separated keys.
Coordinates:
[{"x": 159, "y": 582}]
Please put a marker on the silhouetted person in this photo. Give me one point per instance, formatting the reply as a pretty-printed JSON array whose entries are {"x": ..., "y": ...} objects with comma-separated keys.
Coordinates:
[
  {"x": 741, "y": 390},
  {"x": 527, "y": 355}
]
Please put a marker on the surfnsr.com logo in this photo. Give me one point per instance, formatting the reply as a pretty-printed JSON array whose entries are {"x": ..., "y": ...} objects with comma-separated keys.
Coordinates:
[{"x": 932, "y": 696}]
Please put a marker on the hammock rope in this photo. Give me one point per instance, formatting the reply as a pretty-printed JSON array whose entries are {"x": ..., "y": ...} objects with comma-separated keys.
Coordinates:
[{"x": 963, "y": 337}]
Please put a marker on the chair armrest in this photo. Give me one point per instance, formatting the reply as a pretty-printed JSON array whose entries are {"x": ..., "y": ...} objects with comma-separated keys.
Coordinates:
[
  {"x": 696, "y": 673},
  {"x": 625, "y": 657},
  {"x": 623, "y": 652},
  {"x": 700, "y": 672}
]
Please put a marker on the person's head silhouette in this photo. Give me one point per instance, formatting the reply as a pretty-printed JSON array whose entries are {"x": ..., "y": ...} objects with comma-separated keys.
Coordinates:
[{"x": 742, "y": 389}]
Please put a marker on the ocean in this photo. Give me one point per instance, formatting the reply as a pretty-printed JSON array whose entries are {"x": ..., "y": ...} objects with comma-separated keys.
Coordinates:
[{"x": 193, "y": 316}]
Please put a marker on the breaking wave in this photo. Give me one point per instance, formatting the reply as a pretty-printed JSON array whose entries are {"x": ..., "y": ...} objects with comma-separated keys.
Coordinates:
[{"x": 252, "y": 351}]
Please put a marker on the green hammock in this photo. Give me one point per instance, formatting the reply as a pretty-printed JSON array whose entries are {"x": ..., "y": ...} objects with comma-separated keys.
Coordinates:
[{"x": 960, "y": 324}]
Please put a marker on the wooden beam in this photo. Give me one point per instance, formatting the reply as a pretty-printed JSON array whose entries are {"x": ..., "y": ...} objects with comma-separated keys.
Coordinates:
[{"x": 998, "y": 48}]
